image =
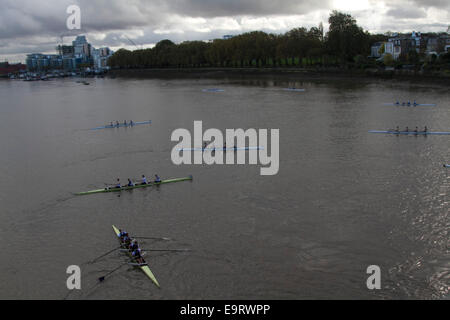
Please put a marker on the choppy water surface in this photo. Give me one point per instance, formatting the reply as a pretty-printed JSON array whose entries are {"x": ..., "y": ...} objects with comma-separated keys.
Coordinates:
[{"x": 343, "y": 199}]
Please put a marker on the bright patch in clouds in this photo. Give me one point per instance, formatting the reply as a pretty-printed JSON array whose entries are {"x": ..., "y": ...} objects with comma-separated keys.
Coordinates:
[{"x": 351, "y": 5}]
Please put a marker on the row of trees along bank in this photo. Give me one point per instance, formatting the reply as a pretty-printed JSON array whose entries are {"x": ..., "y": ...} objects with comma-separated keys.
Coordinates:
[{"x": 343, "y": 44}]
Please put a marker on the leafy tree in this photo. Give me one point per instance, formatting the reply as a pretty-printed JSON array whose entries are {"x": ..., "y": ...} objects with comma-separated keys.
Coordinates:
[{"x": 345, "y": 38}]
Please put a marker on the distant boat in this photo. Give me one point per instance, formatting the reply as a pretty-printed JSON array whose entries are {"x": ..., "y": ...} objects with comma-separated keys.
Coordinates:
[
  {"x": 122, "y": 125},
  {"x": 294, "y": 89},
  {"x": 213, "y": 90}
]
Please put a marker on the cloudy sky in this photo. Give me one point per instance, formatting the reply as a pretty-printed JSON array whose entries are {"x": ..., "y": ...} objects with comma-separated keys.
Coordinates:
[{"x": 28, "y": 26}]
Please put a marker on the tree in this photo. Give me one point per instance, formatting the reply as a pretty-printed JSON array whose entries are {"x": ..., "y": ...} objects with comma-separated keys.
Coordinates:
[{"x": 345, "y": 38}]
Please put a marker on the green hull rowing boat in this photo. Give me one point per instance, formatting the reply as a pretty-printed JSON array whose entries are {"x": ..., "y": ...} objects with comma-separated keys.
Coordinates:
[
  {"x": 106, "y": 190},
  {"x": 144, "y": 268}
]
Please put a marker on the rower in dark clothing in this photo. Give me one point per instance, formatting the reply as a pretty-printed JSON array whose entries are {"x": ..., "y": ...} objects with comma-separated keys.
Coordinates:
[{"x": 138, "y": 256}]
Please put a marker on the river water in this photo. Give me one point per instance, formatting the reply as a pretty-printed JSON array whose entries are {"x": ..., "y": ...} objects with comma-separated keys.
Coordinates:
[{"x": 343, "y": 199}]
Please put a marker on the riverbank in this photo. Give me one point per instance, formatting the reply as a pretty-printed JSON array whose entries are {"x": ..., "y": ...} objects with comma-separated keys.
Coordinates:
[{"x": 282, "y": 73}]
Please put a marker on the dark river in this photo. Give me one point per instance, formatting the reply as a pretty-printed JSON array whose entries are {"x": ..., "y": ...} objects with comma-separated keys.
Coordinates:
[{"x": 343, "y": 199}]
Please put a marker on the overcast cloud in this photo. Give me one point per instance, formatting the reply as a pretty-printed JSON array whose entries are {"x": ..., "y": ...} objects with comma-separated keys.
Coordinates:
[{"x": 28, "y": 26}]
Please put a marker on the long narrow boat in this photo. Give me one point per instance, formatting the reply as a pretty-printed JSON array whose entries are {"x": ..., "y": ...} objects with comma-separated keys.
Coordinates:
[
  {"x": 294, "y": 89},
  {"x": 222, "y": 149},
  {"x": 122, "y": 125},
  {"x": 145, "y": 268},
  {"x": 213, "y": 90},
  {"x": 412, "y": 133},
  {"x": 106, "y": 190},
  {"x": 411, "y": 104}
]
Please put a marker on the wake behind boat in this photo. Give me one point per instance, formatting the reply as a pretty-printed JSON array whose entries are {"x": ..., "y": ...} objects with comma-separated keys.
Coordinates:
[
  {"x": 139, "y": 186},
  {"x": 123, "y": 125}
]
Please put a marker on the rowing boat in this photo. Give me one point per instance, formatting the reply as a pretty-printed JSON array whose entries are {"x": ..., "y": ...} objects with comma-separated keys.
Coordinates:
[
  {"x": 106, "y": 190},
  {"x": 423, "y": 133},
  {"x": 213, "y": 90},
  {"x": 294, "y": 89},
  {"x": 222, "y": 149},
  {"x": 411, "y": 104},
  {"x": 145, "y": 268},
  {"x": 122, "y": 125},
  {"x": 447, "y": 165}
]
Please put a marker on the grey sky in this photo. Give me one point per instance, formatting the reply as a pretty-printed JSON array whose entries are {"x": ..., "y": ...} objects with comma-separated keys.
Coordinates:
[{"x": 28, "y": 26}]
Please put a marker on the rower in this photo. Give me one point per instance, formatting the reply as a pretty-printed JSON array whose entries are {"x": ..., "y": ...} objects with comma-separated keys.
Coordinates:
[
  {"x": 117, "y": 124},
  {"x": 425, "y": 129},
  {"x": 134, "y": 245},
  {"x": 409, "y": 103},
  {"x": 415, "y": 103},
  {"x": 124, "y": 238},
  {"x": 130, "y": 183},
  {"x": 122, "y": 234},
  {"x": 407, "y": 129},
  {"x": 144, "y": 180},
  {"x": 157, "y": 179},
  {"x": 136, "y": 254},
  {"x": 125, "y": 123},
  {"x": 397, "y": 103},
  {"x": 225, "y": 146},
  {"x": 416, "y": 130},
  {"x": 397, "y": 129},
  {"x": 118, "y": 185},
  {"x": 131, "y": 123},
  {"x": 112, "y": 125},
  {"x": 204, "y": 146}
]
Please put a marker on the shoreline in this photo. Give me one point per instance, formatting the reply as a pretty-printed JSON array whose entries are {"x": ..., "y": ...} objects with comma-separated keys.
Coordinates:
[{"x": 284, "y": 73}]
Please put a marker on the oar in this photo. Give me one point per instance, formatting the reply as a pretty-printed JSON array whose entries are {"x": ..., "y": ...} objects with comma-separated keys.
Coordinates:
[
  {"x": 149, "y": 238},
  {"x": 104, "y": 255},
  {"x": 170, "y": 250},
  {"x": 101, "y": 279}
]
